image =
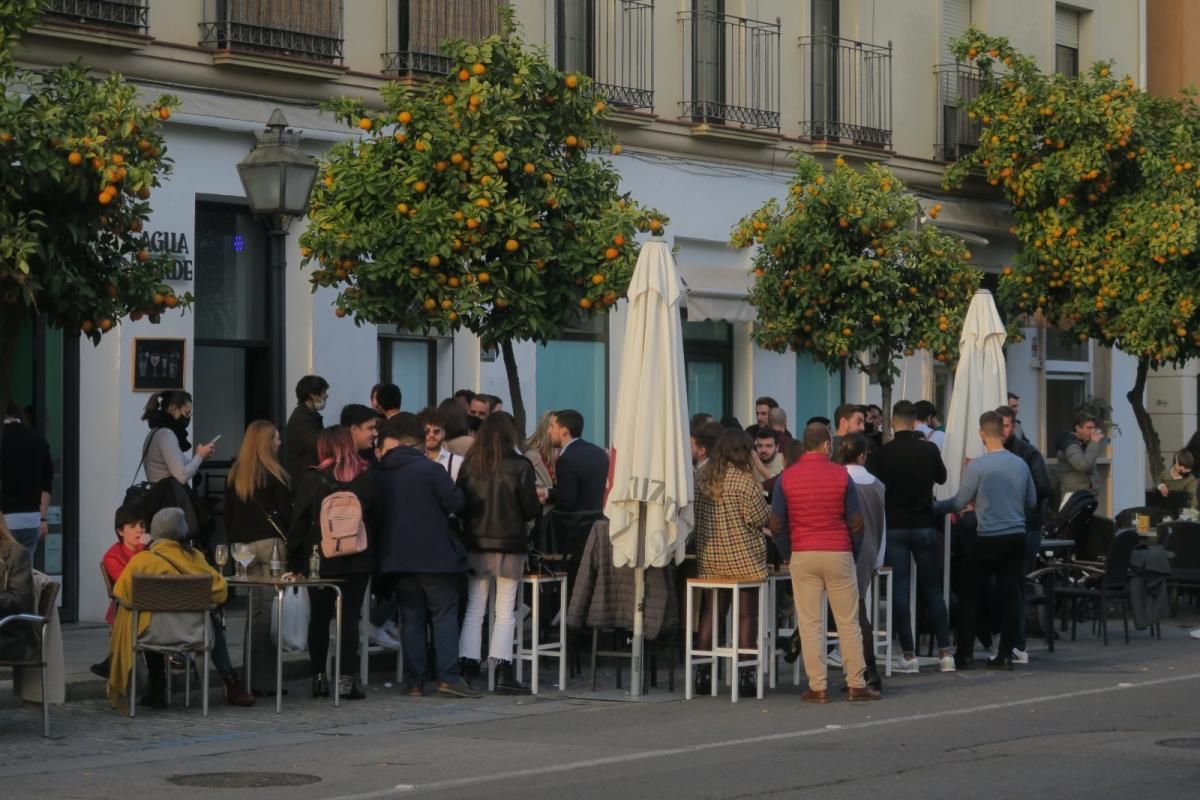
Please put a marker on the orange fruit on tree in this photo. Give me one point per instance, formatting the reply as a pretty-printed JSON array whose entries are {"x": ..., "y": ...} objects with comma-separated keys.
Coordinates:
[
  {"x": 106, "y": 325},
  {"x": 143, "y": 255},
  {"x": 483, "y": 202},
  {"x": 97, "y": 164},
  {"x": 472, "y": 223},
  {"x": 616, "y": 151},
  {"x": 585, "y": 303},
  {"x": 143, "y": 193},
  {"x": 404, "y": 117},
  {"x": 447, "y": 304},
  {"x": 571, "y": 81},
  {"x": 498, "y": 156},
  {"x": 171, "y": 301},
  {"x": 164, "y": 113},
  {"x": 456, "y": 159},
  {"x": 571, "y": 140},
  {"x": 402, "y": 208},
  {"x": 619, "y": 240},
  {"x": 454, "y": 282},
  {"x": 655, "y": 226},
  {"x": 420, "y": 146},
  {"x": 420, "y": 186},
  {"x": 435, "y": 261},
  {"x": 512, "y": 245},
  {"x": 597, "y": 279},
  {"x": 365, "y": 123},
  {"x": 430, "y": 304},
  {"x": 86, "y": 326},
  {"x": 484, "y": 277},
  {"x": 105, "y": 198},
  {"x": 118, "y": 159},
  {"x": 74, "y": 159},
  {"x": 529, "y": 169},
  {"x": 611, "y": 253},
  {"x": 463, "y": 75},
  {"x": 478, "y": 69},
  {"x": 547, "y": 177},
  {"x": 600, "y": 106},
  {"x": 441, "y": 166},
  {"x": 339, "y": 312}
]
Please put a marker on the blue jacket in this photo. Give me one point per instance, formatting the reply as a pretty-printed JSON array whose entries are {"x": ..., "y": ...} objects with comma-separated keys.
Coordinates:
[{"x": 413, "y": 499}]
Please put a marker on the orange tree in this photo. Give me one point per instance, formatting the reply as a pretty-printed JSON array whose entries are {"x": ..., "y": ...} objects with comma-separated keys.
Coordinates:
[
  {"x": 1103, "y": 183},
  {"x": 476, "y": 201},
  {"x": 845, "y": 271},
  {"x": 78, "y": 158}
]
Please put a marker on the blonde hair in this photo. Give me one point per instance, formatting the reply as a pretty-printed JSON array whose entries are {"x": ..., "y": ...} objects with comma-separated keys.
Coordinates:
[
  {"x": 256, "y": 459},
  {"x": 540, "y": 440}
]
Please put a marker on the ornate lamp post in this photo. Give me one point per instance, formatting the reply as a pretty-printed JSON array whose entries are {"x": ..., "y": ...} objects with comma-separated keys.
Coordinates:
[{"x": 278, "y": 177}]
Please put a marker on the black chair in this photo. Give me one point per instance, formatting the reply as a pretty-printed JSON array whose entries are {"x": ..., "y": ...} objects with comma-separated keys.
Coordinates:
[
  {"x": 1098, "y": 587},
  {"x": 1173, "y": 503},
  {"x": 1096, "y": 540},
  {"x": 1182, "y": 540},
  {"x": 39, "y": 621},
  {"x": 1072, "y": 519},
  {"x": 1128, "y": 517}
]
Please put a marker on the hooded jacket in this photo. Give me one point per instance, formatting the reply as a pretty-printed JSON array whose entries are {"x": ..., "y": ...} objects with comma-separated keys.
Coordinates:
[{"x": 414, "y": 498}]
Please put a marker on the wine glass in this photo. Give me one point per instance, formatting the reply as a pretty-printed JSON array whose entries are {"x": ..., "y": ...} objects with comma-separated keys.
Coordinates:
[
  {"x": 243, "y": 554},
  {"x": 221, "y": 556}
]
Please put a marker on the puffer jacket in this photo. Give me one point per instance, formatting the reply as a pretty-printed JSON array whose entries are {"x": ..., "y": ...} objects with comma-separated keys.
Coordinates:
[{"x": 499, "y": 506}]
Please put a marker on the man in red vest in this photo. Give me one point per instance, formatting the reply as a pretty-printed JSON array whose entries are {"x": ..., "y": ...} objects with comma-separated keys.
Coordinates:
[{"x": 815, "y": 502}]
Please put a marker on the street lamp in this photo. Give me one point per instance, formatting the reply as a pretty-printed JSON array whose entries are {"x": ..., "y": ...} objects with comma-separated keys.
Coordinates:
[{"x": 278, "y": 177}]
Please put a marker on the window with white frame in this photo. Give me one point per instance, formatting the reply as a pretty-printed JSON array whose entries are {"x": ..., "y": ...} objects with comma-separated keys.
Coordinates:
[{"x": 1068, "y": 383}]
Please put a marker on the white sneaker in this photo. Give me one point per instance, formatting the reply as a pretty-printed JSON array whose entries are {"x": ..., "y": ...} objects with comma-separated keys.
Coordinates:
[
  {"x": 1195, "y": 634},
  {"x": 834, "y": 658},
  {"x": 946, "y": 664},
  {"x": 381, "y": 637},
  {"x": 392, "y": 629},
  {"x": 1020, "y": 656},
  {"x": 907, "y": 666},
  {"x": 995, "y": 648}
]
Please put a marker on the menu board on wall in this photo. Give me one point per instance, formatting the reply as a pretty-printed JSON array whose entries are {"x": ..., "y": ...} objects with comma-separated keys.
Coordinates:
[{"x": 157, "y": 364}]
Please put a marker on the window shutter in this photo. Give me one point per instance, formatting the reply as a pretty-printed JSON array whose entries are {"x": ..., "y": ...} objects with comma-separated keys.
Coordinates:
[
  {"x": 956, "y": 18},
  {"x": 1066, "y": 27}
]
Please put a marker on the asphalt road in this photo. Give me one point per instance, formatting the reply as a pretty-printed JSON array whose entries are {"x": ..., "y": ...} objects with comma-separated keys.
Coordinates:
[{"x": 1087, "y": 721}]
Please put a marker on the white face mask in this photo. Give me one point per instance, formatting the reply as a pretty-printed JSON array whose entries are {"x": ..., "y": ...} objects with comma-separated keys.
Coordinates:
[{"x": 319, "y": 403}]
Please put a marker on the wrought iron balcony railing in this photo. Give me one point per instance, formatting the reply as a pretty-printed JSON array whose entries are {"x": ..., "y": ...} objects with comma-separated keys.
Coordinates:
[
  {"x": 613, "y": 42},
  {"x": 424, "y": 24},
  {"x": 957, "y": 134},
  {"x": 310, "y": 30},
  {"x": 128, "y": 15},
  {"x": 730, "y": 69},
  {"x": 848, "y": 90}
]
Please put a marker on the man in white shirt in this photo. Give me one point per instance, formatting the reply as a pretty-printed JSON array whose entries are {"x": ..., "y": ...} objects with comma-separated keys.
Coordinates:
[
  {"x": 927, "y": 423},
  {"x": 435, "y": 435}
]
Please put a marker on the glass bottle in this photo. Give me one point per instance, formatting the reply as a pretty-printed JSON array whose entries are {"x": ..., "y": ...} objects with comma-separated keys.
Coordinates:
[
  {"x": 276, "y": 563},
  {"x": 314, "y": 564}
]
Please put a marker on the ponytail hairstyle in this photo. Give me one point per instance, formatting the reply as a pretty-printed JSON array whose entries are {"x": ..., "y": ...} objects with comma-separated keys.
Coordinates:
[{"x": 161, "y": 401}]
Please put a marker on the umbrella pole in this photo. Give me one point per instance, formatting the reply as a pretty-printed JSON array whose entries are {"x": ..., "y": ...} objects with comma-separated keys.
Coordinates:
[{"x": 639, "y": 608}]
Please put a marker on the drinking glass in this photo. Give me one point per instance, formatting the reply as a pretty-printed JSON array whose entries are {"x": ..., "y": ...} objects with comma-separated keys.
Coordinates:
[
  {"x": 221, "y": 556},
  {"x": 243, "y": 554}
]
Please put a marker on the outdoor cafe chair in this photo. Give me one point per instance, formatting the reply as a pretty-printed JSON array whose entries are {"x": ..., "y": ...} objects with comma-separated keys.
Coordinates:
[
  {"x": 1182, "y": 540},
  {"x": 1098, "y": 587},
  {"x": 39, "y": 621},
  {"x": 182, "y": 623}
]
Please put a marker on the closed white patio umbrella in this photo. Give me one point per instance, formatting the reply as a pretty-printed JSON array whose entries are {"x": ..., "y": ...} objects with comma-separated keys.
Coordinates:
[
  {"x": 650, "y": 504},
  {"x": 979, "y": 385}
]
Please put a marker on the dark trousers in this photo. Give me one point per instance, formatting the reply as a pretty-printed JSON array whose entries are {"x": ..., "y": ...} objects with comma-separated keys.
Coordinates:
[
  {"x": 905, "y": 545},
  {"x": 434, "y": 597},
  {"x": 999, "y": 557},
  {"x": 156, "y": 662},
  {"x": 1033, "y": 538},
  {"x": 324, "y": 607}
]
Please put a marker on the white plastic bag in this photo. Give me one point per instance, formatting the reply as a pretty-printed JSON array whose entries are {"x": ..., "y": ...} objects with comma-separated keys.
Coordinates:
[{"x": 295, "y": 619}]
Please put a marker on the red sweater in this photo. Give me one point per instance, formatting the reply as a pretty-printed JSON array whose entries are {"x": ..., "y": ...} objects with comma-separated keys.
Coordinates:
[
  {"x": 115, "y": 559},
  {"x": 814, "y": 495}
]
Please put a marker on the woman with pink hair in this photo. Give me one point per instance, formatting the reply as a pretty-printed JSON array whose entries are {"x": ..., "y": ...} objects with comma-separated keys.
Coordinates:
[{"x": 339, "y": 470}]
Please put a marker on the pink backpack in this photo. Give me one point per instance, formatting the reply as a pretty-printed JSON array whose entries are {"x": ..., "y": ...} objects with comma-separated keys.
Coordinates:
[{"x": 343, "y": 532}]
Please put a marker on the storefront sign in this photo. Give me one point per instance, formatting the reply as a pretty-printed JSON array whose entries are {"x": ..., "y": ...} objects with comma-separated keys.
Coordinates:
[{"x": 175, "y": 244}]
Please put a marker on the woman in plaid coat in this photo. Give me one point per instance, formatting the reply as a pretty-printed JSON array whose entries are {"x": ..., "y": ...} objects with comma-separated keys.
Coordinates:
[{"x": 731, "y": 513}]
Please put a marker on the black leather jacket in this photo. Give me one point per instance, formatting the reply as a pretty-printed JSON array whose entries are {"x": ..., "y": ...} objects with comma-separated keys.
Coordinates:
[{"x": 499, "y": 506}]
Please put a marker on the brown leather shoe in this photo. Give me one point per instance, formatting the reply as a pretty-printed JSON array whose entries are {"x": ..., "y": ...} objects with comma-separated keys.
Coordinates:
[
  {"x": 811, "y": 696},
  {"x": 864, "y": 693},
  {"x": 235, "y": 693}
]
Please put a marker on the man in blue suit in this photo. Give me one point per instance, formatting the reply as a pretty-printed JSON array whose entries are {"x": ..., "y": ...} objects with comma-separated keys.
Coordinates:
[{"x": 581, "y": 470}]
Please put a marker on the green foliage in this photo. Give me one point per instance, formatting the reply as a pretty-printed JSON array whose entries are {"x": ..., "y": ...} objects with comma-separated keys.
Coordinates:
[
  {"x": 1103, "y": 182},
  {"x": 473, "y": 201},
  {"x": 78, "y": 158},
  {"x": 844, "y": 270}
]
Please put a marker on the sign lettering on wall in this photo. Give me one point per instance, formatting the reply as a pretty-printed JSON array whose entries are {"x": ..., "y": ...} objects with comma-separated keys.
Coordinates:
[{"x": 175, "y": 244}]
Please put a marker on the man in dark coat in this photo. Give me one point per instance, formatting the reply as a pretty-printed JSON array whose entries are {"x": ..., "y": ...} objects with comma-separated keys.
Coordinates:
[
  {"x": 419, "y": 551},
  {"x": 582, "y": 468},
  {"x": 312, "y": 392},
  {"x": 26, "y": 478}
]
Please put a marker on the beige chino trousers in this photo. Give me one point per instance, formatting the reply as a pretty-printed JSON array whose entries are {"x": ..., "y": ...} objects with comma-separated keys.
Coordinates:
[{"x": 816, "y": 574}]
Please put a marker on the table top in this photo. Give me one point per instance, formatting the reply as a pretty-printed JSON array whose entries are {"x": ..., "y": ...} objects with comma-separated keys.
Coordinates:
[
  {"x": 267, "y": 580},
  {"x": 1057, "y": 544}
]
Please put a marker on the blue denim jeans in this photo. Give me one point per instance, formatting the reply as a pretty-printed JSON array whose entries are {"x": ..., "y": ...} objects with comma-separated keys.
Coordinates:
[
  {"x": 919, "y": 544},
  {"x": 435, "y": 596}
]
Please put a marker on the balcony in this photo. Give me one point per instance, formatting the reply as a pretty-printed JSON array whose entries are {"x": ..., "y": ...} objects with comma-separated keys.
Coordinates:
[
  {"x": 303, "y": 30},
  {"x": 958, "y": 135},
  {"x": 849, "y": 91},
  {"x": 130, "y": 16},
  {"x": 613, "y": 42},
  {"x": 730, "y": 70},
  {"x": 424, "y": 24}
]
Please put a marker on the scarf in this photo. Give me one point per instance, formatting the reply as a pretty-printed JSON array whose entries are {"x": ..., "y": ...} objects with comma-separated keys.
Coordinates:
[{"x": 161, "y": 419}]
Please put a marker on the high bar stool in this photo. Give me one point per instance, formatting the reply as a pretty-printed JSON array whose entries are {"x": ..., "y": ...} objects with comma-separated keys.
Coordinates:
[
  {"x": 778, "y": 634},
  {"x": 538, "y": 650},
  {"x": 884, "y": 633},
  {"x": 712, "y": 656}
]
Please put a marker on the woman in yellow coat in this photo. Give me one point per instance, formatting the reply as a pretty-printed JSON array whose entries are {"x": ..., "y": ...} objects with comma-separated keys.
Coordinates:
[{"x": 166, "y": 555}]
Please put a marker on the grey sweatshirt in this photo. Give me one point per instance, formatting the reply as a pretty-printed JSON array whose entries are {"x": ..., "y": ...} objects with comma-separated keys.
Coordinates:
[{"x": 1002, "y": 488}]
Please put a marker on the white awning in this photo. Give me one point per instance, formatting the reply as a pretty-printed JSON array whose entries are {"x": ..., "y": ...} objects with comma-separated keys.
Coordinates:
[{"x": 717, "y": 281}]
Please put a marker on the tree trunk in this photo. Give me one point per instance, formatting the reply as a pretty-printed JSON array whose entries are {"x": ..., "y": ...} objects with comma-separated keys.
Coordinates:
[
  {"x": 11, "y": 315},
  {"x": 1136, "y": 397},
  {"x": 885, "y": 388},
  {"x": 514, "y": 386}
]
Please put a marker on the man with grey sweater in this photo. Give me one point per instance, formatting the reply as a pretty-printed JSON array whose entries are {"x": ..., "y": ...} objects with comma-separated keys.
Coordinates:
[{"x": 1001, "y": 488}]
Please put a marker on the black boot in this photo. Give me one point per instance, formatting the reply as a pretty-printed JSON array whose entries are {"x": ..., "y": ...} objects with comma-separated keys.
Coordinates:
[
  {"x": 746, "y": 684},
  {"x": 468, "y": 668},
  {"x": 102, "y": 668},
  {"x": 506, "y": 680},
  {"x": 320, "y": 685},
  {"x": 348, "y": 688},
  {"x": 791, "y": 648},
  {"x": 156, "y": 695}
]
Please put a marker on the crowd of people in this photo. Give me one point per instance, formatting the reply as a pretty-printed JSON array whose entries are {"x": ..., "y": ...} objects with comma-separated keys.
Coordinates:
[{"x": 434, "y": 508}]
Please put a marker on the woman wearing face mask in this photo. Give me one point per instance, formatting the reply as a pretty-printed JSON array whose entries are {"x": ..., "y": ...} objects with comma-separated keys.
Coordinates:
[{"x": 169, "y": 413}]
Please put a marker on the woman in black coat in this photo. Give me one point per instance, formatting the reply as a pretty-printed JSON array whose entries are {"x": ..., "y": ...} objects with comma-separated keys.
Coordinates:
[
  {"x": 339, "y": 469},
  {"x": 502, "y": 500}
]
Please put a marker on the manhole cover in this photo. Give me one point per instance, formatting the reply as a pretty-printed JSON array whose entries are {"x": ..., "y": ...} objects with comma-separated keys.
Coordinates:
[
  {"x": 1192, "y": 743},
  {"x": 243, "y": 780}
]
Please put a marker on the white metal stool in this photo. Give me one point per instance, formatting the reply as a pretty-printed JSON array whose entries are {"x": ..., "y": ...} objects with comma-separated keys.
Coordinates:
[
  {"x": 884, "y": 633},
  {"x": 778, "y": 634},
  {"x": 733, "y": 652},
  {"x": 538, "y": 650}
]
